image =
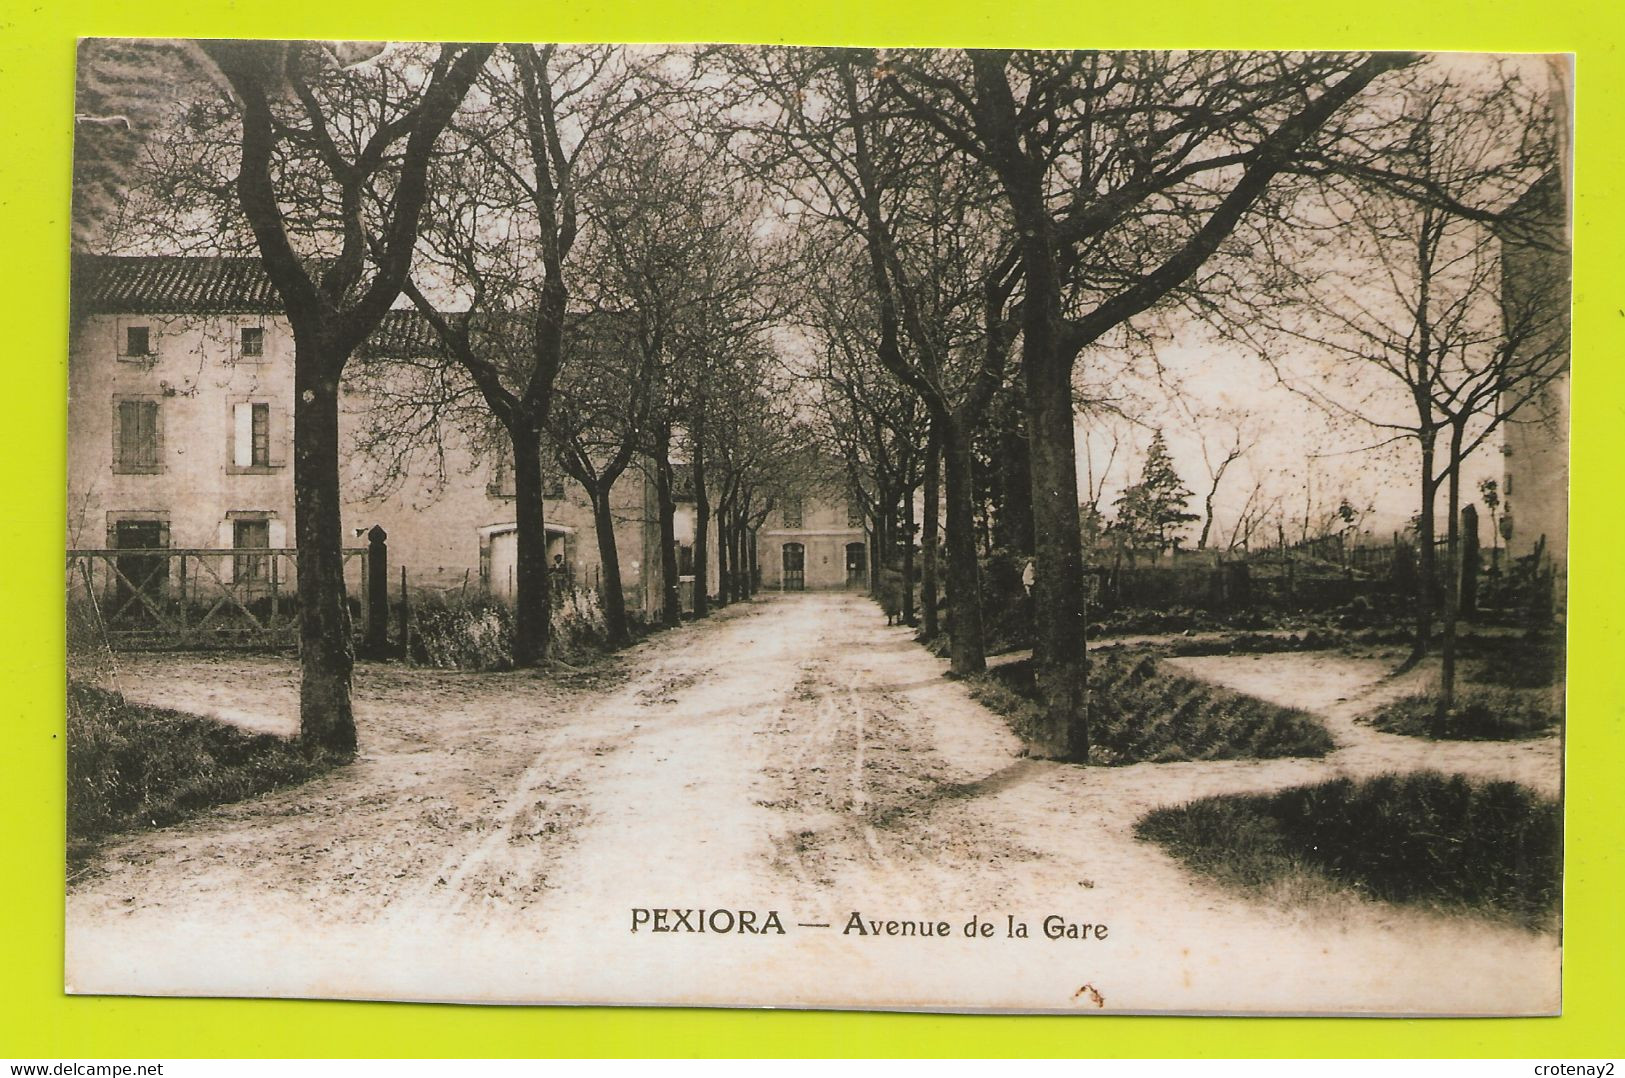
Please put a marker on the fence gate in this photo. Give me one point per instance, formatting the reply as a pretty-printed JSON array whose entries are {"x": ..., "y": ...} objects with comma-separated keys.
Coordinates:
[{"x": 146, "y": 596}]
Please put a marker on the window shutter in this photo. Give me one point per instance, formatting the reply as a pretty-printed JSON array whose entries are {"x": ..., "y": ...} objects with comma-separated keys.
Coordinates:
[
  {"x": 242, "y": 435},
  {"x": 279, "y": 534},
  {"x": 136, "y": 442},
  {"x": 125, "y": 420}
]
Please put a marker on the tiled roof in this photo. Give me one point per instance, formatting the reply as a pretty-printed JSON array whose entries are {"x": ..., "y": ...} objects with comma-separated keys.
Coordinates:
[
  {"x": 406, "y": 332},
  {"x": 402, "y": 333},
  {"x": 172, "y": 284},
  {"x": 182, "y": 284}
]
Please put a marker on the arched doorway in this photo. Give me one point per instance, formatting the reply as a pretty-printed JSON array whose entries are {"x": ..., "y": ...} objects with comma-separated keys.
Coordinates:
[
  {"x": 857, "y": 565},
  {"x": 794, "y": 577}
]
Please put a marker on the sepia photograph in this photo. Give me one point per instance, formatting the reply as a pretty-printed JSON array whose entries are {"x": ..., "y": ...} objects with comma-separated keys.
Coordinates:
[{"x": 850, "y": 528}]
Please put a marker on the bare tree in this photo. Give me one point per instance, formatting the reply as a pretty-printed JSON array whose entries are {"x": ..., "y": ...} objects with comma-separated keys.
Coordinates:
[
  {"x": 501, "y": 241},
  {"x": 1225, "y": 436},
  {"x": 925, "y": 229},
  {"x": 1123, "y": 173},
  {"x": 361, "y": 175},
  {"x": 1441, "y": 329},
  {"x": 674, "y": 256},
  {"x": 875, "y": 425},
  {"x": 600, "y": 407}
]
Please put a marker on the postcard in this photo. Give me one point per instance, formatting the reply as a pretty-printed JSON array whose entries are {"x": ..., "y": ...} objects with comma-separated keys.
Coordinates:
[{"x": 968, "y": 530}]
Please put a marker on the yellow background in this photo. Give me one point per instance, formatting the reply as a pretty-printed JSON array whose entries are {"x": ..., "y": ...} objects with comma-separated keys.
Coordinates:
[{"x": 36, "y": 73}]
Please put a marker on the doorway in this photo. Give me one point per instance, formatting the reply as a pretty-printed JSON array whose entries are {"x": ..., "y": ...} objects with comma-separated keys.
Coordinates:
[
  {"x": 142, "y": 578},
  {"x": 857, "y": 565},
  {"x": 795, "y": 568}
]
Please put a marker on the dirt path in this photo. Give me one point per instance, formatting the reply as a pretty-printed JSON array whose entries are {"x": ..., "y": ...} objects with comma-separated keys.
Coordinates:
[{"x": 795, "y": 755}]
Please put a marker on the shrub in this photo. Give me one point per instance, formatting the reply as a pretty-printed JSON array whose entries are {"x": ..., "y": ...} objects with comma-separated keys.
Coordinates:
[
  {"x": 131, "y": 765},
  {"x": 1478, "y": 715},
  {"x": 1138, "y": 713},
  {"x": 476, "y": 633},
  {"x": 1420, "y": 837},
  {"x": 578, "y": 626},
  {"x": 462, "y": 633}
]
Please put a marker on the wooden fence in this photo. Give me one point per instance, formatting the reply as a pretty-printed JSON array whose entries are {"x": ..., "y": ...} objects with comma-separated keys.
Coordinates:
[{"x": 194, "y": 597}]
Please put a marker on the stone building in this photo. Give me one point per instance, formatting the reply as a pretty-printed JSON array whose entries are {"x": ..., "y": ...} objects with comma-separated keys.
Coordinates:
[
  {"x": 180, "y": 432},
  {"x": 814, "y": 540},
  {"x": 1535, "y": 442}
]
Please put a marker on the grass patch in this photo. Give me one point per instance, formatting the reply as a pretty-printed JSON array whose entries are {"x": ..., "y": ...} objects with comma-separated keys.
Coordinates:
[
  {"x": 134, "y": 766},
  {"x": 1531, "y": 661},
  {"x": 1139, "y": 712},
  {"x": 1493, "y": 847},
  {"x": 1479, "y": 715}
]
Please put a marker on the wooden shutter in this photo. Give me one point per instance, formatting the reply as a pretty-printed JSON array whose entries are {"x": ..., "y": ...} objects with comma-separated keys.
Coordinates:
[
  {"x": 137, "y": 434},
  {"x": 242, "y": 438}
]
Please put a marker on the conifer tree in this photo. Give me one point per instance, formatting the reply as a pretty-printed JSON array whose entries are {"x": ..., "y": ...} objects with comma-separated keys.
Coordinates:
[{"x": 1153, "y": 510}]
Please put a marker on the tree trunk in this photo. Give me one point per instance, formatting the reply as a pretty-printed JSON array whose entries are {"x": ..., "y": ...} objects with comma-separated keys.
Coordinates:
[
  {"x": 1013, "y": 526},
  {"x": 928, "y": 539},
  {"x": 671, "y": 589},
  {"x": 1059, "y": 658},
  {"x": 1472, "y": 563},
  {"x": 907, "y": 538},
  {"x": 966, "y": 645},
  {"x": 702, "y": 527},
  {"x": 609, "y": 559},
  {"x": 1207, "y": 514},
  {"x": 1059, "y": 652},
  {"x": 873, "y": 535},
  {"x": 753, "y": 574},
  {"x": 1452, "y": 587},
  {"x": 532, "y": 613},
  {"x": 725, "y": 564},
  {"x": 735, "y": 559},
  {"x": 326, "y": 651},
  {"x": 1426, "y": 560}
]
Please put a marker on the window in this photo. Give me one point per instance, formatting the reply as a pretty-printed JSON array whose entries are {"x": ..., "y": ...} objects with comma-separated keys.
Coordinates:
[
  {"x": 259, "y": 434},
  {"x": 250, "y": 535},
  {"x": 685, "y": 560},
  {"x": 792, "y": 512},
  {"x": 252, "y": 341},
  {"x": 1508, "y": 487},
  {"x": 501, "y": 483},
  {"x": 135, "y": 434},
  {"x": 137, "y": 341},
  {"x": 854, "y": 512},
  {"x": 251, "y": 436}
]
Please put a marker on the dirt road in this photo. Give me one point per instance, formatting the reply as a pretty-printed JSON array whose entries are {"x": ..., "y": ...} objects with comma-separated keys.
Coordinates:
[{"x": 794, "y": 758}]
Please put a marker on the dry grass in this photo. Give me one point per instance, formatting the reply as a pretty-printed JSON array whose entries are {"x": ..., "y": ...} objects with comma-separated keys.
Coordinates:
[{"x": 133, "y": 766}]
